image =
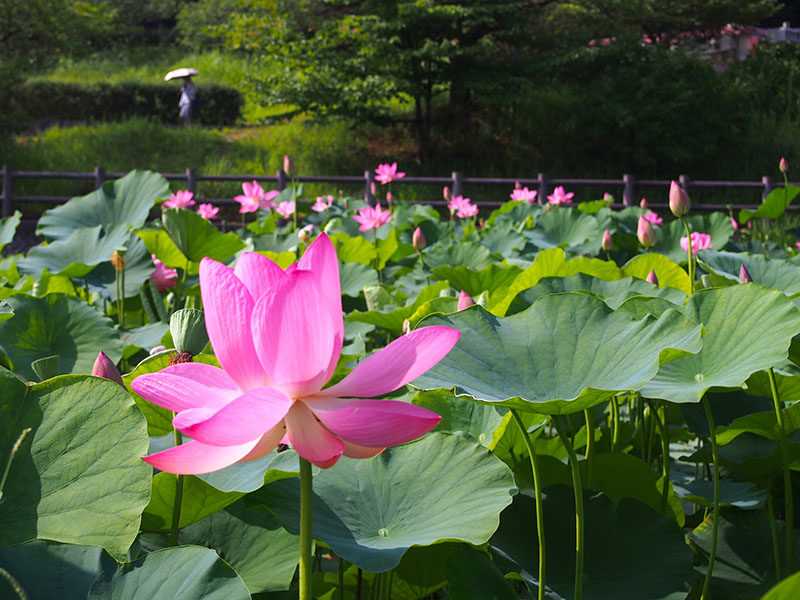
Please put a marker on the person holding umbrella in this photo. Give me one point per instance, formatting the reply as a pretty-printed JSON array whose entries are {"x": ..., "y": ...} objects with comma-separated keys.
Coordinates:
[{"x": 188, "y": 100}]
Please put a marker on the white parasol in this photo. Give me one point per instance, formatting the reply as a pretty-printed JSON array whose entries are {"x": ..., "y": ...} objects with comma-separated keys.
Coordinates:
[{"x": 178, "y": 73}]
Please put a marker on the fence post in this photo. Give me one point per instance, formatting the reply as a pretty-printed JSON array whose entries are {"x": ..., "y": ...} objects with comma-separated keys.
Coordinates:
[
  {"x": 7, "y": 195},
  {"x": 369, "y": 183},
  {"x": 544, "y": 187},
  {"x": 768, "y": 185},
  {"x": 99, "y": 177},
  {"x": 281, "y": 184},
  {"x": 458, "y": 184},
  {"x": 191, "y": 180},
  {"x": 629, "y": 190}
]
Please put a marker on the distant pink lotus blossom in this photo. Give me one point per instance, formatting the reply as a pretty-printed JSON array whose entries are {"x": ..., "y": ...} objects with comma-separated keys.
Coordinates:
[
  {"x": 386, "y": 173},
  {"x": 524, "y": 194},
  {"x": 180, "y": 199},
  {"x": 254, "y": 198},
  {"x": 286, "y": 209},
  {"x": 163, "y": 277},
  {"x": 700, "y": 241},
  {"x": 464, "y": 301},
  {"x": 643, "y": 202},
  {"x": 653, "y": 218},
  {"x": 560, "y": 197},
  {"x": 735, "y": 224},
  {"x": 322, "y": 203},
  {"x": 278, "y": 336},
  {"x": 645, "y": 232},
  {"x": 372, "y": 218},
  {"x": 207, "y": 211},
  {"x": 462, "y": 207}
]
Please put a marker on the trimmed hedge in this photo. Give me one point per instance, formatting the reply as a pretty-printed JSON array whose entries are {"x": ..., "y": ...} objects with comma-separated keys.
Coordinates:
[{"x": 217, "y": 105}]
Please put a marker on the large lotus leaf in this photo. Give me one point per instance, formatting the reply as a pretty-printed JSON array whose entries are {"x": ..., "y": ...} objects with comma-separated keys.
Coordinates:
[
  {"x": 197, "y": 237},
  {"x": 640, "y": 306},
  {"x": 138, "y": 269},
  {"x": 8, "y": 227},
  {"x": 740, "y": 494},
  {"x": 251, "y": 475},
  {"x": 182, "y": 573},
  {"x": 745, "y": 563},
  {"x": 788, "y": 589},
  {"x": 776, "y": 274},
  {"x": 565, "y": 353},
  {"x": 613, "y": 293},
  {"x": 355, "y": 249},
  {"x": 158, "y": 242},
  {"x": 460, "y": 415},
  {"x": 263, "y": 553},
  {"x": 514, "y": 212},
  {"x": 76, "y": 255},
  {"x": 550, "y": 263},
  {"x": 468, "y": 254},
  {"x": 390, "y": 317},
  {"x": 475, "y": 282},
  {"x": 355, "y": 277},
  {"x": 6, "y": 312},
  {"x": 669, "y": 273},
  {"x": 668, "y": 241},
  {"x": 371, "y": 511},
  {"x": 78, "y": 476},
  {"x": 472, "y": 575},
  {"x": 49, "y": 570},
  {"x": 57, "y": 325},
  {"x": 503, "y": 240},
  {"x": 787, "y": 379},
  {"x": 748, "y": 328},
  {"x": 632, "y": 551},
  {"x": 564, "y": 228},
  {"x": 774, "y": 204},
  {"x": 126, "y": 201}
]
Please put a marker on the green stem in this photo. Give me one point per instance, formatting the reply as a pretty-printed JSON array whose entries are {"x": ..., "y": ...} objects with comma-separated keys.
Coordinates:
[
  {"x": 15, "y": 585},
  {"x": 122, "y": 298},
  {"x": 691, "y": 256},
  {"x": 788, "y": 499},
  {"x": 14, "y": 449},
  {"x": 715, "y": 518},
  {"x": 306, "y": 539},
  {"x": 178, "y": 502},
  {"x": 86, "y": 289},
  {"x": 589, "y": 416},
  {"x": 341, "y": 578},
  {"x": 615, "y": 421},
  {"x": 773, "y": 529},
  {"x": 116, "y": 287},
  {"x": 663, "y": 432},
  {"x": 537, "y": 490},
  {"x": 578, "y": 488}
]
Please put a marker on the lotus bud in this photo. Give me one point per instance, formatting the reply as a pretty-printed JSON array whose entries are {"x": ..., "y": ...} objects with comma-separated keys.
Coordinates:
[
  {"x": 389, "y": 198},
  {"x": 103, "y": 367},
  {"x": 643, "y": 202},
  {"x": 288, "y": 165},
  {"x": 783, "y": 165},
  {"x": 608, "y": 241},
  {"x": 744, "y": 275},
  {"x": 517, "y": 185},
  {"x": 679, "y": 202},
  {"x": 406, "y": 326},
  {"x": 446, "y": 194},
  {"x": 373, "y": 189},
  {"x": 645, "y": 233},
  {"x": 464, "y": 300},
  {"x": 418, "y": 240},
  {"x": 652, "y": 277},
  {"x": 304, "y": 233}
]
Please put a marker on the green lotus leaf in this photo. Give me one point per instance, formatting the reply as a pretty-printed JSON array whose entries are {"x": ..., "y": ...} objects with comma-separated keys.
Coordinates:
[
  {"x": 776, "y": 274},
  {"x": 390, "y": 317},
  {"x": 182, "y": 573},
  {"x": 251, "y": 475},
  {"x": 514, "y": 212},
  {"x": 740, "y": 494},
  {"x": 6, "y": 312},
  {"x": 748, "y": 328},
  {"x": 57, "y": 325},
  {"x": 197, "y": 237},
  {"x": 669, "y": 273},
  {"x": 475, "y": 282},
  {"x": 787, "y": 378},
  {"x": 78, "y": 254},
  {"x": 355, "y": 277},
  {"x": 263, "y": 553},
  {"x": 459, "y": 415},
  {"x": 668, "y": 240},
  {"x": 641, "y": 306},
  {"x": 138, "y": 269},
  {"x": 126, "y": 201},
  {"x": 355, "y": 249},
  {"x": 468, "y": 254},
  {"x": 8, "y": 227},
  {"x": 565, "y": 353},
  {"x": 773, "y": 206},
  {"x": 371, "y": 511},
  {"x": 472, "y": 575},
  {"x": 503, "y": 240},
  {"x": 788, "y": 589},
  {"x": 632, "y": 552},
  {"x": 78, "y": 476},
  {"x": 158, "y": 242},
  {"x": 564, "y": 228}
]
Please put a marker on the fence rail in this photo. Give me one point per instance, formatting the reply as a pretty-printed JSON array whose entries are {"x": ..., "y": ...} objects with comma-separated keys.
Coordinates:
[{"x": 457, "y": 182}]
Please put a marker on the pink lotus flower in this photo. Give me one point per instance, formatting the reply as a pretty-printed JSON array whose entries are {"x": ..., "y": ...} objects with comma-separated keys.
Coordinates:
[
  {"x": 464, "y": 301},
  {"x": 386, "y": 173},
  {"x": 254, "y": 198},
  {"x": 105, "y": 368},
  {"x": 560, "y": 197},
  {"x": 207, "y": 211},
  {"x": 370, "y": 217},
  {"x": 700, "y": 241},
  {"x": 286, "y": 209},
  {"x": 462, "y": 207},
  {"x": 278, "y": 335},
  {"x": 734, "y": 223},
  {"x": 524, "y": 194},
  {"x": 180, "y": 199},
  {"x": 163, "y": 277},
  {"x": 322, "y": 203},
  {"x": 653, "y": 219}
]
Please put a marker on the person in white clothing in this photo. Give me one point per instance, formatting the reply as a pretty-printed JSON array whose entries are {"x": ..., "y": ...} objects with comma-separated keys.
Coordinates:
[{"x": 188, "y": 100}]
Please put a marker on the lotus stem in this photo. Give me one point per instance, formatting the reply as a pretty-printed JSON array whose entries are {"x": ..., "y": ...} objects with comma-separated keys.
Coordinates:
[
  {"x": 359, "y": 580},
  {"x": 122, "y": 298},
  {"x": 14, "y": 449},
  {"x": 178, "y": 502},
  {"x": 306, "y": 539},
  {"x": 788, "y": 498},
  {"x": 578, "y": 488},
  {"x": 689, "y": 252},
  {"x": 537, "y": 491},
  {"x": 589, "y": 416},
  {"x": 341, "y": 578},
  {"x": 615, "y": 422},
  {"x": 663, "y": 432},
  {"x": 773, "y": 529},
  {"x": 15, "y": 585},
  {"x": 715, "y": 518}
]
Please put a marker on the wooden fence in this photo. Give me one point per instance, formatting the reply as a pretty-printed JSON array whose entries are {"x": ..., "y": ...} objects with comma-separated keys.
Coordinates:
[{"x": 457, "y": 183}]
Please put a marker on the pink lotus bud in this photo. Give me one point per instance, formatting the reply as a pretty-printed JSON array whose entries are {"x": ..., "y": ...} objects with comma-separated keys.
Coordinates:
[
  {"x": 608, "y": 241},
  {"x": 517, "y": 185},
  {"x": 679, "y": 202},
  {"x": 418, "y": 240},
  {"x": 744, "y": 275},
  {"x": 783, "y": 165},
  {"x": 389, "y": 198},
  {"x": 103, "y": 367},
  {"x": 406, "y": 326},
  {"x": 645, "y": 232},
  {"x": 465, "y": 300},
  {"x": 643, "y": 202},
  {"x": 652, "y": 277},
  {"x": 373, "y": 189},
  {"x": 446, "y": 194},
  {"x": 288, "y": 165}
]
